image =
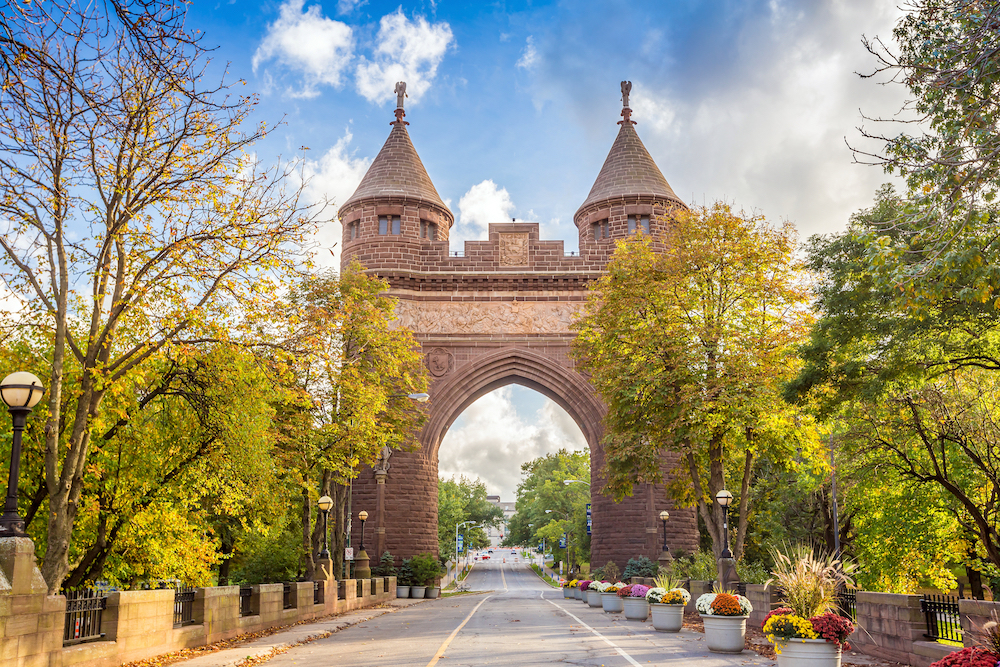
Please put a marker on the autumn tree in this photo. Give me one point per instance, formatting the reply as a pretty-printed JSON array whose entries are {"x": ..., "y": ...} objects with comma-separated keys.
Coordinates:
[
  {"x": 356, "y": 367},
  {"x": 135, "y": 218},
  {"x": 689, "y": 346}
]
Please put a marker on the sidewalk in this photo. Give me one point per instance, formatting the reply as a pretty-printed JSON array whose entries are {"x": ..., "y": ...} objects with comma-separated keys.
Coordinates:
[{"x": 279, "y": 642}]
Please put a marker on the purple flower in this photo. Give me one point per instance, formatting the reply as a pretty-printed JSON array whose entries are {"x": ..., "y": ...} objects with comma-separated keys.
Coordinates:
[{"x": 639, "y": 591}]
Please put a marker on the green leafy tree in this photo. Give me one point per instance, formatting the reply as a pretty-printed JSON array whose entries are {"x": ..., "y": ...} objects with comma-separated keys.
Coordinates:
[
  {"x": 689, "y": 345},
  {"x": 462, "y": 499},
  {"x": 547, "y": 507}
]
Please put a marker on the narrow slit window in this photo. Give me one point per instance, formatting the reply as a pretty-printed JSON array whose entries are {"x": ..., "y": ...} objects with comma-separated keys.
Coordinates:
[
  {"x": 644, "y": 224},
  {"x": 395, "y": 225},
  {"x": 631, "y": 224},
  {"x": 383, "y": 225}
]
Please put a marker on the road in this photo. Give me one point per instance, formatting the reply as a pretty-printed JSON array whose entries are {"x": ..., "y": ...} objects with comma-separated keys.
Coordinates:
[{"x": 518, "y": 621}]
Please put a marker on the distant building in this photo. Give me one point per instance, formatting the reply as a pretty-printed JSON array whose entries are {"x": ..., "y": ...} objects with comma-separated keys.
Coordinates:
[{"x": 496, "y": 535}]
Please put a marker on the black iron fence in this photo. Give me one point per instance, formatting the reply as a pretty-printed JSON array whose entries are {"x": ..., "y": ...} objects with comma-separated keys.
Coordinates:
[
  {"x": 84, "y": 611},
  {"x": 246, "y": 601},
  {"x": 361, "y": 588},
  {"x": 318, "y": 591},
  {"x": 183, "y": 607},
  {"x": 942, "y": 616},
  {"x": 288, "y": 597},
  {"x": 847, "y": 604}
]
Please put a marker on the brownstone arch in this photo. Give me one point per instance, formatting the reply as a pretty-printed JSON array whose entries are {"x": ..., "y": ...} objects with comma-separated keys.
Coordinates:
[{"x": 496, "y": 313}]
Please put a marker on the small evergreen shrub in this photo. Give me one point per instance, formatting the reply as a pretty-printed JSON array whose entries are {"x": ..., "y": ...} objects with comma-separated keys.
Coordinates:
[{"x": 640, "y": 567}]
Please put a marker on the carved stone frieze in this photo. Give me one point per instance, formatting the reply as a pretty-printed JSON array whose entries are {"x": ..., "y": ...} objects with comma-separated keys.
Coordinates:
[{"x": 497, "y": 317}]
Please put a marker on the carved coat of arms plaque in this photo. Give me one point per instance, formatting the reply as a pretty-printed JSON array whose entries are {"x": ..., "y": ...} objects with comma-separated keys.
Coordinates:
[
  {"x": 438, "y": 361},
  {"x": 513, "y": 250}
]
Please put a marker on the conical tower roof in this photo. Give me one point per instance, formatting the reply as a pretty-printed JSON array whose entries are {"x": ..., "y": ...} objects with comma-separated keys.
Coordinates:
[
  {"x": 397, "y": 172},
  {"x": 629, "y": 171}
]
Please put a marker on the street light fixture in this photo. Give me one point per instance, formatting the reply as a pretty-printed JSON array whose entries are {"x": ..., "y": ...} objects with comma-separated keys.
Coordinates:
[
  {"x": 664, "y": 515},
  {"x": 325, "y": 505},
  {"x": 725, "y": 498},
  {"x": 567, "y": 482},
  {"x": 20, "y": 391},
  {"x": 363, "y": 515}
]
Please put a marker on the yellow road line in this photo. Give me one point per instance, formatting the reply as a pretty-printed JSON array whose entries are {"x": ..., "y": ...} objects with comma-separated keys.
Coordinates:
[
  {"x": 440, "y": 651},
  {"x": 503, "y": 577}
]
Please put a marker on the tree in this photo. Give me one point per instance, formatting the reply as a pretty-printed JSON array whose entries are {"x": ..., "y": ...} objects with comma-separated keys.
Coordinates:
[
  {"x": 135, "y": 218},
  {"x": 948, "y": 58},
  {"x": 356, "y": 368},
  {"x": 463, "y": 499},
  {"x": 688, "y": 347},
  {"x": 547, "y": 507}
]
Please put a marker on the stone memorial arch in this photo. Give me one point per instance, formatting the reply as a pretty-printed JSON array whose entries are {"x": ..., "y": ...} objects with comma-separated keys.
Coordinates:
[{"x": 499, "y": 313}]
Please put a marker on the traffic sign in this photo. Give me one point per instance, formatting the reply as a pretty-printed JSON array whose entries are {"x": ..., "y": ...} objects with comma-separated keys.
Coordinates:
[{"x": 349, "y": 553}]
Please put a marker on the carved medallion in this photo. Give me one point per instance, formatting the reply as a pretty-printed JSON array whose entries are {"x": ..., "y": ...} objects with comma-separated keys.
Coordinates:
[
  {"x": 439, "y": 361},
  {"x": 513, "y": 250}
]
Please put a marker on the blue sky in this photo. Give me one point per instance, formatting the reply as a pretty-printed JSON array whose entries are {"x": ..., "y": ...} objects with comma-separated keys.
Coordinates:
[{"x": 513, "y": 105}]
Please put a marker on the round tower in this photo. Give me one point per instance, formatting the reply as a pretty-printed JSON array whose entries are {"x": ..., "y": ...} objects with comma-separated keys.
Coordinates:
[
  {"x": 396, "y": 210},
  {"x": 629, "y": 196}
]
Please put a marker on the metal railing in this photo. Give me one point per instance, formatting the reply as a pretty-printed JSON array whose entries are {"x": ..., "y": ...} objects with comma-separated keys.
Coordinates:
[
  {"x": 318, "y": 592},
  {"x": 246, "y": 601},
  {"x": 570, "y": 253},
  {"x": 942, "y": 616},
  {"x": 847, "y": 604},
  {"x": 457, "y": 253},
  {"x": 84, "y": 611},
  {"x": 183, "y": 607},
  {"x": 288, "y": 597}
]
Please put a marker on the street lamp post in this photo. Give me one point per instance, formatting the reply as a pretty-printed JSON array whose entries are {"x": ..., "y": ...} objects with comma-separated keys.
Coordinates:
[
  {"x": 457, "y": 526},
  {"x": 361, "y": 567},
  {"x": 21, "y": 392},
  {"x": 725, "y": 498},
  {"x": 325, "y": 504}
]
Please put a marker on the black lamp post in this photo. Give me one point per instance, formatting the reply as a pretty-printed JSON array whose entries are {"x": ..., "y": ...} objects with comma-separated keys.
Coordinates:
[
  {"x": 725, "y": 498},
  {"x": 325, "y": 505},
  {"x": 20, "y": 391},
  {"x": 664, "y": 515},
  {"x": 363, "y": 515}
]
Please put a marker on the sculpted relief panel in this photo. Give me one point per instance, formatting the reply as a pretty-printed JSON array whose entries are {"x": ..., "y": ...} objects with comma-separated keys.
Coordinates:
[
  {"x": 498, "y": 318},
  {"x": 513, "y": 250}
]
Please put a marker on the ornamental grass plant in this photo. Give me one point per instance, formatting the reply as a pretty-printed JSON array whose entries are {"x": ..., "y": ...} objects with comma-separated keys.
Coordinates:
[{"x": 810, "y": 580}]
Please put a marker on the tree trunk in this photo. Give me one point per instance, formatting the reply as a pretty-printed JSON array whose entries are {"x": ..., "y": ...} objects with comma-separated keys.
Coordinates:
[{"x": 307, "y": 552}]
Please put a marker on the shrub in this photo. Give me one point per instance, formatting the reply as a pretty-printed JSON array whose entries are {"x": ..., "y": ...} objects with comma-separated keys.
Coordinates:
[
  {"x": 386, "y": 566},
  {"x": 640, "y": 567},
  {"x": 405, "y": 577},
  {"x": 425, "y": 569},
  {"x": 700, "y": 565},
  {"x": 609, "y": 572}
]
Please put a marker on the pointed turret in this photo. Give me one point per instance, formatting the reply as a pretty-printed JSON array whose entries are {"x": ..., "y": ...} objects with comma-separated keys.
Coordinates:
[
  {"x": 396, "y": 209},
  {"x": 630, "y": 192}
]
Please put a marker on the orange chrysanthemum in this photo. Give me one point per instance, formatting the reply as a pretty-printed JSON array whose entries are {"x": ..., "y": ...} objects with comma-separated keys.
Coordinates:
[{"x": 726, "y": 605}]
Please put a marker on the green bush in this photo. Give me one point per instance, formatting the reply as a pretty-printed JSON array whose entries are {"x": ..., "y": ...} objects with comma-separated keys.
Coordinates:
[
  {"x": 640, "y": 567},
  {"x": 425, "y": 569},
  {"x": 753, "y": 572},
  {"x": 267, "y": 559},
  {"x": 386, "y": 566},
  {"x": 405, "y": 577},
  {"x": 700, "y": 565}
]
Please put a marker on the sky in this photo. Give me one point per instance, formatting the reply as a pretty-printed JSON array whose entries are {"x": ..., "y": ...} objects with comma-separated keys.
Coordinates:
[{"x": 513, "y": 107}]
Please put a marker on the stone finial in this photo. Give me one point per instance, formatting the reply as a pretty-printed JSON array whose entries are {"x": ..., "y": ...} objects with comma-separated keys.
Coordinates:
[
  {"x": 626, "y": 111},
  {"x": 400, "y": 91}
]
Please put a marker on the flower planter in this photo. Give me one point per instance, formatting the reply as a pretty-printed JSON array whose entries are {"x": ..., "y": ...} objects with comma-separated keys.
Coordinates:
[
  {"x": 578, "y": 594},
  {"x": 667, "y": 617},
  {"x": 636, "y": 609},
  {"x": 725, "y": 634},
  {"x": 432, "y": 592},
  {"x": 417, "y": 591},
  {"x": 611, "y": 603},
  {"x": 568, "y": 593},
  {"x": 594, "y": 598},
  {"x": 808, "y": 653},
  {"x": 402, "y": 591}
]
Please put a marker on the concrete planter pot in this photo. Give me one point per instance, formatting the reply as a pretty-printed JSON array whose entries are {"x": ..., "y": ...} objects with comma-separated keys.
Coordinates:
[
  {"x": 594, "y": 598},
  {"x": 612, "y": 603},
  {"x": 725, "y": 634},
  {"x": 417, "y": 592},
  {"x": 432, "y": 592},
  {"x": 568, "y": 593},
  {"x": 667, "y": 617},
  {"x": 402, "y": 591},
  {"x": 636, "y": 609},
  {"x": 578, "y": 594},
  {"x": 808, "y": 653}
]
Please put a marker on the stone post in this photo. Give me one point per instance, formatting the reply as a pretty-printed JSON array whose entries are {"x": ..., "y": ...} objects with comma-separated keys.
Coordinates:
[{"x": 361, "y": 569}]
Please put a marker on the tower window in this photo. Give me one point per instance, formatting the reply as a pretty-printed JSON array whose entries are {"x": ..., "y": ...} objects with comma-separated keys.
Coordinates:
[
  {"x": 428, "y": 230},
  {"x": 388, "y": 224},
  {"x": 601, "y": 230},
  {"x": 638, "y": 222},
  {"x": 353, "y": 230}
]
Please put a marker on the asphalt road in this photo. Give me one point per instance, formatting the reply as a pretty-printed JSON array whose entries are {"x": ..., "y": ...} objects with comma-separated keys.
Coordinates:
[{"x": 518, "y": 621}]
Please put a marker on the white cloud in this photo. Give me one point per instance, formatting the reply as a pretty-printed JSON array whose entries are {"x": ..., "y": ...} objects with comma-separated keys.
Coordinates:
[
  {"x": 348, "y": 6},
  {"x": 529, "y": 57},
  {"x": 407, "y": 51},
  {"x": 482, "y": 204},
  {"x": 491, "y": 440},
  {"x": 333, "y": 178},
  {"x": 307, "y": 42}
]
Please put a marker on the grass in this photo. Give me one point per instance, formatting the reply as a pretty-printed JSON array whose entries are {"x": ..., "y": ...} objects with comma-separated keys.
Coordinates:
[{"x": 544, "y": 577}]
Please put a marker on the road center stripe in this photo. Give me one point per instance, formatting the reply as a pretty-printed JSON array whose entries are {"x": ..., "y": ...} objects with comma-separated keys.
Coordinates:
[
  {"x": 607, "y": 641},
  {"x": 503, "y": 578},
  {"x": 440, "y": 651}
]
